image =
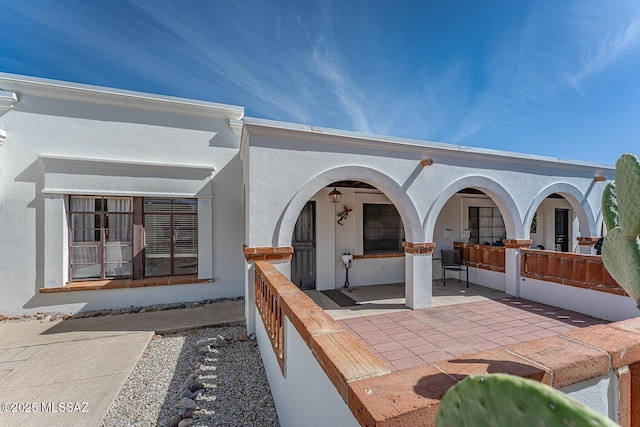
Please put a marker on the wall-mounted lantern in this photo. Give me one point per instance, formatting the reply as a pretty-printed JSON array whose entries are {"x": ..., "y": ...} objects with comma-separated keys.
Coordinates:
[{"x": 335, "y": 196}]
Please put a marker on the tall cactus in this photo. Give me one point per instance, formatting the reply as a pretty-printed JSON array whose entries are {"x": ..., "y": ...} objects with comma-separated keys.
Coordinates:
[
  {"x": 501, "y": 400},
  {"x": 621, "y": 215}
]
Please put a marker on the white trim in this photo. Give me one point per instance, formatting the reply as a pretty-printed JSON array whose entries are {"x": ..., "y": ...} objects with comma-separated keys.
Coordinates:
[
  {"x": 236, "y": 126},
  {"x": 8, "y": 100},
  {"x": 284, "y": 130},
  {"x": 75, "y": 192},
  {"x": 117, "y": 97},
  {"x": 126, "y": 162}
]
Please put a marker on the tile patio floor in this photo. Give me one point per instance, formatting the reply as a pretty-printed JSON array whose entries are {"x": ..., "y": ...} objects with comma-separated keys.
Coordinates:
[{"x": 410, "y": 338}]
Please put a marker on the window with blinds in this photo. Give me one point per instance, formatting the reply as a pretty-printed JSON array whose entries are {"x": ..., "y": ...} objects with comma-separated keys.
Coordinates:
[
  {"x": 171, "y": 236},
  {"x": 106, "y": 232},
  {"x": 382, "y": 229}
]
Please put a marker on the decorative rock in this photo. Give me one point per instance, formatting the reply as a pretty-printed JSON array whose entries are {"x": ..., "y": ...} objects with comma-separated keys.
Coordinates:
[
  {"x": 174, "y": 421},
  {"x": 188, "y": 415},
  {"x": 183, "y": 412},
  {"x": 203, "y": 349},
  {"x": 185, "y": 393},
  {"x": 196, "y": 393},
  {"x": 187, "y": 383},
  {"x": 187, "y": 403},
  {"x": 193, "y": 376},
  {"x": 186, "y": 422},
  {"x": 196, "y": 386},
  {"x": 218, "y": 341},
  {"x": 198, "y": 371},
  {"x": 252, "y": 337},
  {"x": 202, "y": 341}
]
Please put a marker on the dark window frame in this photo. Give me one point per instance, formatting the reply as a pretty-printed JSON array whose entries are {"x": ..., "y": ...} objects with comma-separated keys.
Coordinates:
[
  {"x": 476, "y": 234},
  {"x": 382, "y": 220},
  {"x": 173, "y": 236},
  {"x": 136, "y": 229}
]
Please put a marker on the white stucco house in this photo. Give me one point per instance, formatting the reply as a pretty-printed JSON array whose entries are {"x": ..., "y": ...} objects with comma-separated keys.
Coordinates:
[{"x": 112, "y": 198}]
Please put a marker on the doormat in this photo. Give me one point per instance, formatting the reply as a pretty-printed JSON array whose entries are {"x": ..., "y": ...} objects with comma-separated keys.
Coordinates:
[{"x": 339, "y": 298}]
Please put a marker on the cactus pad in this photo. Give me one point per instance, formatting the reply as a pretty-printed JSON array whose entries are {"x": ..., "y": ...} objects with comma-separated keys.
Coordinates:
[
  {"x": 610, "y": 206},
  {"x": 621, "y": 257},
  {"x": 628, "y": 194},
  {"x": 505, "y": 400}
]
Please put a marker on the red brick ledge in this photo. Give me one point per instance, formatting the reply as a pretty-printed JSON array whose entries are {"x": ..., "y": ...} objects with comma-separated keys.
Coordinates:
[
  {"x": 517, "y": 243},
  {"x": 377, "y": 397},
  {"x": 388, "y": 255},
  {"x": 412, "y": 396},
  {"x": 95, "y": 285},
  {"x": 267, "y": 253},
  {"x": 342, "y": 357},
  {"x": 587, "y": 241},
  {"x": 426, "y": 248}
]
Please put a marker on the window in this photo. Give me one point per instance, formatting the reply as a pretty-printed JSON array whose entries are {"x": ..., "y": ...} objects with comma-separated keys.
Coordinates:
[
  {"x": 101, "y": 237},
  {"x": 171, "y": 234},
  {"x": 106, "y": 232},
  {"x": 382, "y": 229},
  {"x": 486, "y": 225}
]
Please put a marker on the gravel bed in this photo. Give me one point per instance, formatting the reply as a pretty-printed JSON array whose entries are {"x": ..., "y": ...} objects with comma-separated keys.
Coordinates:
[
  {"x": 51, "y": 316},
  {"x": 236, "y": 389}
]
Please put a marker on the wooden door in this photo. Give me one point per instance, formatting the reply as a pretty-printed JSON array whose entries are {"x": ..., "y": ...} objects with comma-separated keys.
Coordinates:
[{"x": 303, "y": 262}]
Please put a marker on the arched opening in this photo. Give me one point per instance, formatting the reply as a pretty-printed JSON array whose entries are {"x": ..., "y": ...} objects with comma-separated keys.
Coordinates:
[
  {"x": 371, "y": 221},
  {"x": 475, "y": 221},
  {"x": 558, "y": 215},
  {"x": 449, "y": 213},
  {"x": 365, "y": 224}
]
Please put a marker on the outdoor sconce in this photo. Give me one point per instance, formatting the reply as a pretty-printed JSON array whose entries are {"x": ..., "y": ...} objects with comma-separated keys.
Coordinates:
[
  {"x": 427, "y": 162},
  {"x": 599, "y": 178},
  {"x": 335, "y": 196}
]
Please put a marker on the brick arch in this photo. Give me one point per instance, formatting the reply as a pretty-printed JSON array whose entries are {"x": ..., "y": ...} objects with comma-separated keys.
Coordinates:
[
  {"x": 384, "y": 183},
  {"x": 497, "y": 193},
  {"x": 577, "y": 200}
]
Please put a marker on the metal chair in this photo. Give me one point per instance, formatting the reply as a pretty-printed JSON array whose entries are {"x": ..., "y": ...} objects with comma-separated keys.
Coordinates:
[{"x": 452, "y": 261}]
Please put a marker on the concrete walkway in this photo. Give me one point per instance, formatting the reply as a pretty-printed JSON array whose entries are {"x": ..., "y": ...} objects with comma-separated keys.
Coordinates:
[{"x": 68, "y": 372}]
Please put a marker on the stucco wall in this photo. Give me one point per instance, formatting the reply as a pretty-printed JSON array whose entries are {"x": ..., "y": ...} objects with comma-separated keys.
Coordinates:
[
  {"x": 304, "y": 396},
  {"x": 56, "y": 147},
  {"x": 593, "y": 303},
  {"x": 295, "y": 165}
]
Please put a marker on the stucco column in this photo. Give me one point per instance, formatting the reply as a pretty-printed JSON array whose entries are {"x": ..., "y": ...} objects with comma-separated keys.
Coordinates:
[
  {"x": 418, "y": 274},
  {"x": 280, "y": 257},
  {"x": 512, "y": 264},
  {"x": 586, "y": 245}
]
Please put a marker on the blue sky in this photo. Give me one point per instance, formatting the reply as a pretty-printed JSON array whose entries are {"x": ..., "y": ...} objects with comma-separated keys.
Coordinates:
[{"x": 556, "y": 78}]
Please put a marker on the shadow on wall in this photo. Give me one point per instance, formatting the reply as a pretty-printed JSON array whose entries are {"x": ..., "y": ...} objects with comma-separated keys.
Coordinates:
[
  {"x": 34, "y": 174},
  {"x": 105, "y": 113}
]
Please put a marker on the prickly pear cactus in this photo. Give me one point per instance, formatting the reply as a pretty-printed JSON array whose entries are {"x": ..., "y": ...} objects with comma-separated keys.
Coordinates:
[
  {"x": 621, "y": 214},
  {"x": 499, "y": 400}
]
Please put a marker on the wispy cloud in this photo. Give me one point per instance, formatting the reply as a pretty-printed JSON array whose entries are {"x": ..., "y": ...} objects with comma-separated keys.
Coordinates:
[{"x": 553, "y": 51}]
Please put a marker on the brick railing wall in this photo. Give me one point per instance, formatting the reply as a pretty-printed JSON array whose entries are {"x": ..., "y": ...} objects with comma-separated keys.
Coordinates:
[
  {"x": 579, "y": 270},
  {"x": 482, "y": 256},
  {"x": 340, "y": 354},
  {"x": 267, "y": 303},
  {"x": 378, "y": 397}
]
